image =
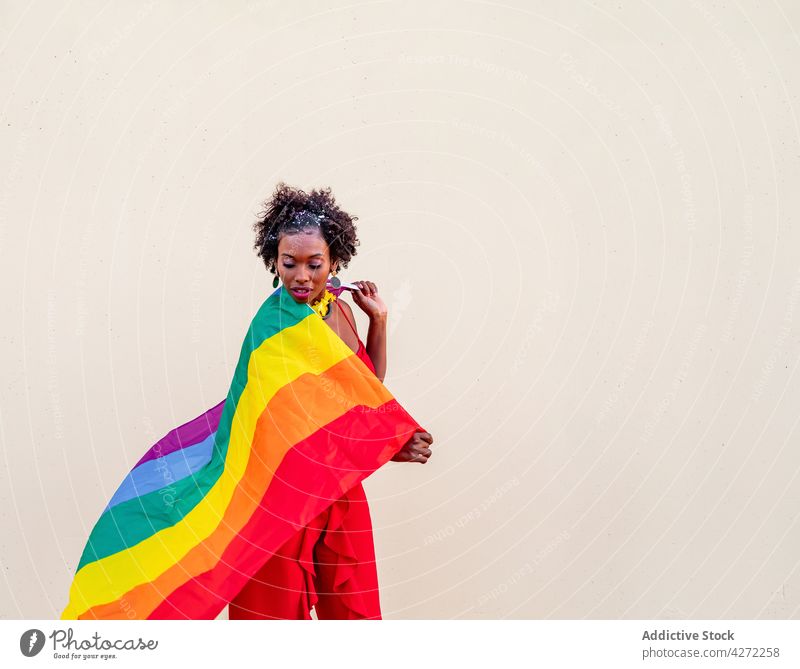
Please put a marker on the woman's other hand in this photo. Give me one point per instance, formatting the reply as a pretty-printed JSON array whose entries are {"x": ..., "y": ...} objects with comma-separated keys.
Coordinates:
[
  {"x": 368, "y": 300},
  {"x": 416, "y": 449}
]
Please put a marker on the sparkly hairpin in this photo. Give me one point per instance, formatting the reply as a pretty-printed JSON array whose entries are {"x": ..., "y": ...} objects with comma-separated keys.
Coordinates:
[{"x": 305, "y": 217}]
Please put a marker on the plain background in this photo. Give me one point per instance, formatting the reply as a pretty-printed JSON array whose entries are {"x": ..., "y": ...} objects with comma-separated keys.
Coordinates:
[{"x": 583, "y": 217}]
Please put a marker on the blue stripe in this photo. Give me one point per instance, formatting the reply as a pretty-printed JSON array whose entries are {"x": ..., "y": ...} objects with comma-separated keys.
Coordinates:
[{"x": 164, "y": 471}]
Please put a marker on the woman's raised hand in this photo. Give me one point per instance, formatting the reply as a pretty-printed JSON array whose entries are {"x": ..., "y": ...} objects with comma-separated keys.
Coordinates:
[
  {"x": 368, "y": 300},
  {"x": 416, "y": 449}
]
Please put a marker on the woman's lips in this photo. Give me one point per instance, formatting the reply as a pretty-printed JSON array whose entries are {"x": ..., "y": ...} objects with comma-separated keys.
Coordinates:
[{"x": 301, "y": 292}]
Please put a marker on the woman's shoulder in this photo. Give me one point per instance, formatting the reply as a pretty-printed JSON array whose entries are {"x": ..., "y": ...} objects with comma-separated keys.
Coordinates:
[
  {"x": 345, "y": 307},
  {"x": 347, "y": 311}
]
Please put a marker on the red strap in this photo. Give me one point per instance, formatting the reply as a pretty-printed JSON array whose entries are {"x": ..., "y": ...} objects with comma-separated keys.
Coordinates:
[{"x": 348, "y": 320}]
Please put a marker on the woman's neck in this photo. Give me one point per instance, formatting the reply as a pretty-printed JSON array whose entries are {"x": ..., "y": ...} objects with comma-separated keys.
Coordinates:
[{"x": 317, "y": 297}]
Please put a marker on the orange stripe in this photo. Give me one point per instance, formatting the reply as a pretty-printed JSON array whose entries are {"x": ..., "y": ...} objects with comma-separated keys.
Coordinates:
[{"x": 306, "y": 404}]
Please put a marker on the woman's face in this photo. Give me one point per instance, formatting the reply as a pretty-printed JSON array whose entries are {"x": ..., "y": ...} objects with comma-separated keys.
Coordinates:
[{"x": 304, "y": 263}]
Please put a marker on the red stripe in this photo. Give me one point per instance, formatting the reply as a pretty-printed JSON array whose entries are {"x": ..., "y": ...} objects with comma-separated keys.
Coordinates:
[{"x": 312, "y": 475}]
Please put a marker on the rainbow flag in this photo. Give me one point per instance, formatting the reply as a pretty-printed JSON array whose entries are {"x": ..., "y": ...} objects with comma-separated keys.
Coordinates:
[{"x": 303, "y": 422}]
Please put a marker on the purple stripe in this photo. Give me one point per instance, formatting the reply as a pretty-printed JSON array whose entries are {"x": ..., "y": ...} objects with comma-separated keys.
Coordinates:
[{"x": 188, "y": 434}]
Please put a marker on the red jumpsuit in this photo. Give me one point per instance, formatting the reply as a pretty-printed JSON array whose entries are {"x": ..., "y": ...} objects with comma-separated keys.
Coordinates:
[{"x": 329, "y": 564}]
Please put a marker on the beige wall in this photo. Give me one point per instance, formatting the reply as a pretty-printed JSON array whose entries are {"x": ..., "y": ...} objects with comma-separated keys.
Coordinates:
[{"x": 584, "y": 220}]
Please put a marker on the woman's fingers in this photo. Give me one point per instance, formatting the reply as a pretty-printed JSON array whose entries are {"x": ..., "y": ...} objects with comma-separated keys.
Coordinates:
[
  {"x": 424, "y": 436},
  {"x": 421, "y": 455},
  {"x": 368, "y": 288}
]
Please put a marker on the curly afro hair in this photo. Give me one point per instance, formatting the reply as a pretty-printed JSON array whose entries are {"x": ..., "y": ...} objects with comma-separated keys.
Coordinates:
[{"x": 280, "y": 216}]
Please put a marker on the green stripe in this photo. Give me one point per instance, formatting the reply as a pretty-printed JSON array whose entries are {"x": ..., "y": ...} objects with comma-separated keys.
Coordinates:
[{"x": 134, "y": 520}]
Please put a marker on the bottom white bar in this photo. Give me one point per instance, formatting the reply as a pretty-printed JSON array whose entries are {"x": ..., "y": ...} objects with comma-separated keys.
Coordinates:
[{"x": 408, "y": 643}]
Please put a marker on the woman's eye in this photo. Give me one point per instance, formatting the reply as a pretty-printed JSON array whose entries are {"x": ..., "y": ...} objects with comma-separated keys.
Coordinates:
[{"x": 287, "y": 266}]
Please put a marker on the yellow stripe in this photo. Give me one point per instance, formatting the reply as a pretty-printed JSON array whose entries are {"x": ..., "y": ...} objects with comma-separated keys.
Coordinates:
[{"x": 274, "y": 364}]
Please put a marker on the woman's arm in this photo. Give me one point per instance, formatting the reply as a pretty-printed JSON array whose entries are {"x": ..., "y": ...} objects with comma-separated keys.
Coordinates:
[
  {"x": 418, "y": 447},
  {"x": 376, "y": 345},
  {"x": 372, "y": 304}
]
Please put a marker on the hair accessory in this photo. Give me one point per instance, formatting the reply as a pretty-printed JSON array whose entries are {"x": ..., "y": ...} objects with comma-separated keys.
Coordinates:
[
  {"x": 305, "y": 217},
  {"x": 341, "y": 288}
]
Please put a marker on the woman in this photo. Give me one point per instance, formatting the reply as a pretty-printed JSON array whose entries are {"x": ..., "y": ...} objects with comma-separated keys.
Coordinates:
[
  {"x": 330, "y": 564},
  {"x": 272, "y": 472}
]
